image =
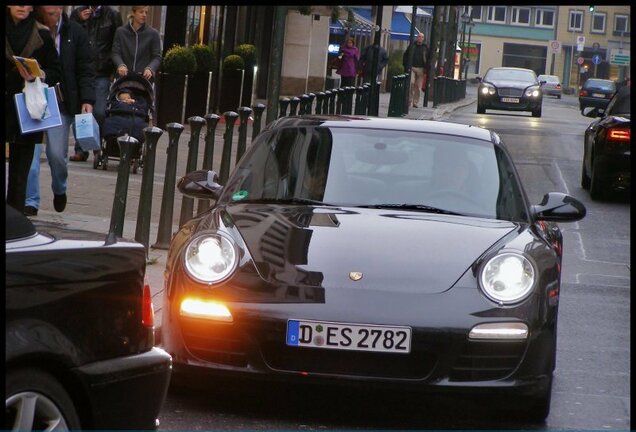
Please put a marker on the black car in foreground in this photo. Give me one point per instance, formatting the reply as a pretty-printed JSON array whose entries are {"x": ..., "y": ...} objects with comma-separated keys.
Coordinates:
[
  {"x": 596, "y": 93},
  {"x": 511, "y": 89},
  {"x": 382, "y": 252},
  {"x": 607, "y": 147},
  {"x": 79, "y": 330}
]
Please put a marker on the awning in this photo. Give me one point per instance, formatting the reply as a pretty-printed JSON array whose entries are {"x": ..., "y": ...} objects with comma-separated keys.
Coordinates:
[
  {"x": 409, "y": 10},
  {"x": 361, "y": 26},
  {"x": 401, "y": 27}
]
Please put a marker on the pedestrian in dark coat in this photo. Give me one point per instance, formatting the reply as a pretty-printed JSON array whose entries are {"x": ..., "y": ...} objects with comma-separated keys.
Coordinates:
[
  {"x": 137, "y": 46},
  {"x": 366, "y": 61},
  {"x": 100, "y": 22},
  {"x": 78, "y": 92},
  {"x": 24, "y": 37}
]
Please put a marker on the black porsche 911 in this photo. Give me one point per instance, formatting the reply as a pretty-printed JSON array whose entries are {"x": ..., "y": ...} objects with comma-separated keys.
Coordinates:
[
  {"x": 510, "y": 89},
  {"x": 607, "y": 147},
  {"x": 377, "y": 251},
  {"x": 79, "y": 329}
]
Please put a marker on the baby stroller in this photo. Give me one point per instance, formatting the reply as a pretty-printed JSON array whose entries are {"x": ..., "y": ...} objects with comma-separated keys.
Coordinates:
[{"x": 125, "y": 119}]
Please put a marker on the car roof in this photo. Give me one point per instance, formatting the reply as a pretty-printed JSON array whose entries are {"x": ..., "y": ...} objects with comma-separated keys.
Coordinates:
[
  {"x": 600, "y": 80},
  {"x": 366, "y": 122}
]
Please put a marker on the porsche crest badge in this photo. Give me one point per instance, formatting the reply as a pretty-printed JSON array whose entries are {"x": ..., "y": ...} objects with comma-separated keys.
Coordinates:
[{"x": 355, "y": 276}]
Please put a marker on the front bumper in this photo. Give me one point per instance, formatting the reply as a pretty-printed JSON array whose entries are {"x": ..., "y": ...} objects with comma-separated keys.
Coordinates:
[
  {"x": 496, "y": 102},
  {"x": 442, "y": 358},
  {"x": 127, "y": 392}
]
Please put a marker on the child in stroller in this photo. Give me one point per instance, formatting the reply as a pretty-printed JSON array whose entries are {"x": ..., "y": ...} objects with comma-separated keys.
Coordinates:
[{"x": 127, "y": 113}]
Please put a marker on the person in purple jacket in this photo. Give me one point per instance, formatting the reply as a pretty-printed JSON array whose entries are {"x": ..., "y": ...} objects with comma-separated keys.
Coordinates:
[{"x": 349, "y": 56}]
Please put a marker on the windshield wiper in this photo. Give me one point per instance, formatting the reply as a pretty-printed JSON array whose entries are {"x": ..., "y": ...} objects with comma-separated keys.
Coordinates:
[{"x": 420, "y": 207}]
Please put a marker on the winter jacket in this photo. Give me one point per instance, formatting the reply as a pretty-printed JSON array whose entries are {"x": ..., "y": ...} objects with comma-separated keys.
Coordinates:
[
  {"x": 78, "y": 68},
  {"x": 348, "y": 65},
  {"x": 101, "y": 29},
  {"x": 137, "y": 50},
  {"x": 39, "y": 46},
  {"x": 415, "y": 62},
  {"x": 366, "y": 59}
]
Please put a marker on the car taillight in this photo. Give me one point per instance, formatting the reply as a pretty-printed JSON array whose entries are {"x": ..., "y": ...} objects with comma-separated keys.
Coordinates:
[
  {"x": 558, "y": 86},
  {"x": 147, "y": 310},
  {"x": 619, "y": 134},
  {"x": 583, "y": 93}
]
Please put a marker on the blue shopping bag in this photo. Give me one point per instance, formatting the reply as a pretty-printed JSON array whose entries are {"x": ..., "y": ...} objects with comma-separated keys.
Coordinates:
[
  {"x": 29, "y": 125},
  {"x": 87, "y": 132}
]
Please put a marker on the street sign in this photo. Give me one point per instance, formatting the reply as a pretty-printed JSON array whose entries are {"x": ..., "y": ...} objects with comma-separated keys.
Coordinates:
[
  {"x": 580, "y": 40},
  {"x": 596, "y": 59},
  {"x": 555, "y": 46},
  {"x": 619, "y": 57},
  {"x": 580, "y": 60}
]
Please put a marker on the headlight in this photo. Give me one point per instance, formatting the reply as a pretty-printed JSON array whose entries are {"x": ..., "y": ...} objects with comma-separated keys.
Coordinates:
[
  {"x": 487, "y": 89},
  {"x": 533, "y": 92},
  {"x": 211, "y": 257},
  {"x": 507, "y": 277}
]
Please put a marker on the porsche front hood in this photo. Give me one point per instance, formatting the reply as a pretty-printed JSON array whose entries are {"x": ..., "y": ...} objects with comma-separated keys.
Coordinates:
[{"x": 386, "y": 250}]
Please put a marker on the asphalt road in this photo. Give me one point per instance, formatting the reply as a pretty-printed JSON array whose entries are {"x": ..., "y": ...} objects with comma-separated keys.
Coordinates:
[{"x": 591, "y": 386}]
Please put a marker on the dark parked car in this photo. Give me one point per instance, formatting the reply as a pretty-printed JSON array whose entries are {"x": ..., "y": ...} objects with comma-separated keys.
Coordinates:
[
  {"x": 79, "y": 332},
  {"x": 511, "y": 89},
  {"x": 379, "y": 251},
  {"x": 551, "y": 85},
  {"x": 596, "y": 93},
  {"x": 607, "y": 146}
]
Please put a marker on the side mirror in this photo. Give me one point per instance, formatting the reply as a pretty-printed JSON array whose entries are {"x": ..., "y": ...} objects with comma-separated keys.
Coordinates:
[
  {"x": 542, "y": 82},
  {"x": 558, "y": 207},
  {"x": 200, "y": 184},
  {"x": 593, "y": 112},
  {"x": 478, "y": 78}
]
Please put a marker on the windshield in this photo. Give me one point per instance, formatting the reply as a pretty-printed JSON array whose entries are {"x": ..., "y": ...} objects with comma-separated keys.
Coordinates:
[
  {"x": 373, "y": 167},
  {"x": 511, "y": 75}
]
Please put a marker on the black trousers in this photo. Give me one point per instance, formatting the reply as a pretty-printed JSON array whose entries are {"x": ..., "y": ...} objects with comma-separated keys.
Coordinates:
[
  {"x": 20, "y": 158},
  {"x": 347, "y": 81}
]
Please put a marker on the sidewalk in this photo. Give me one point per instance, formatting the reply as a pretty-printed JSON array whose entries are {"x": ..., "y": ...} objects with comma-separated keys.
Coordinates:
[{"x": 90, "y": 192}]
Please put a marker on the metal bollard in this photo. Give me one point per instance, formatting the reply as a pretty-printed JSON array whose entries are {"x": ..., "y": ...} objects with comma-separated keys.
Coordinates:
[
  {"x": 320, "y": 97},
  {"x": 244, "y": 115},
  {"x": 127, "y": 146},
  {"x": 358, "y": 105},
  {"x": 304, "y": 101},
  {"x": 211, "y": 120},
  {"x": 339, "y": 100},
  {"x": 294, "y": 105},
  {"x": 326, "y": 102},
  {"x": 312, "y": 96},
  {"x": 226, "y": 156},
  {"x": 332, "y": 101},
  {"x": 365, "y": 98},
  {"x": 283, "y": 103},
  {"x": 144, "y": 212},
  {"x": 350, "y": 95},
  {"x": 187, "y": 203},
  {"x": 258, "y": 114},
  {"x": 164, "y": 235}
]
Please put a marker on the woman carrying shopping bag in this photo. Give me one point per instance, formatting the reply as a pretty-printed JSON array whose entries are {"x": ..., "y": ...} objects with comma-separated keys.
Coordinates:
[{"x": 24, "y": 37}]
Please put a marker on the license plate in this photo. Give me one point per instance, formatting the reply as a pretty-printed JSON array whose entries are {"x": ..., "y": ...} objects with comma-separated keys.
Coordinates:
[
  {"x": 599, "y": 95},
  {"x": 352, "y": 337},
  {"x": 510, "y": 100}
]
